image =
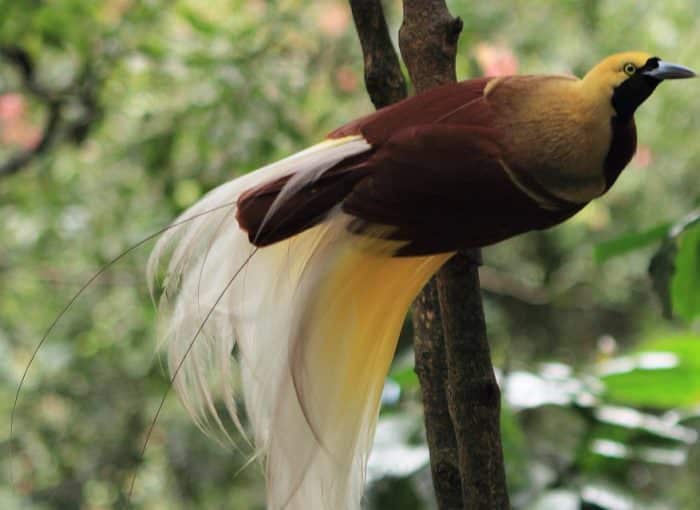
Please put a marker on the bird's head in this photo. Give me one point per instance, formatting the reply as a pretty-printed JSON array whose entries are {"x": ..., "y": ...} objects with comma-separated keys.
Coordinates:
[{"x": 627, "y": 79}]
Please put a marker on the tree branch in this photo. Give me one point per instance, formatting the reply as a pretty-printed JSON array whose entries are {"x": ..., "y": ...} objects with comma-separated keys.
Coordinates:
[
  {"x": 431, "y": 368},
  {"x": 460, "y": 396},
  {"x": 473, "y": 394},
  {"x": 428, "y": 40},
  {"x": 383, "y": 78},
  {"x": 385, "y": 84}
]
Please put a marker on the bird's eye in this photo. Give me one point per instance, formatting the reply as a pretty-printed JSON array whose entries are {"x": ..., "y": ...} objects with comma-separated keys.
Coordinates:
[{"x": 629, "y": 68}]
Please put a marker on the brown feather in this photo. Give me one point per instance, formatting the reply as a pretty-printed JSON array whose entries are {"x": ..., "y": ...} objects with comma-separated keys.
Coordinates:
[
  {"x": 465, "y": 199},
  {"x": 462, "y": 165},
  {"x": 304, "y": 209},
  {"x": 450, "y": 102}
]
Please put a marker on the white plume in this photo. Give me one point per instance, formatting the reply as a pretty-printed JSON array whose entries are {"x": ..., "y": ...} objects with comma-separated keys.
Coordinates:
[{"x": 315, "y": 319}]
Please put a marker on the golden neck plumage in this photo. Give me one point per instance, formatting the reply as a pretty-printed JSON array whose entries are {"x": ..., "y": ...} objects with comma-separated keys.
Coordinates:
[{"x": 558, "y": 131}]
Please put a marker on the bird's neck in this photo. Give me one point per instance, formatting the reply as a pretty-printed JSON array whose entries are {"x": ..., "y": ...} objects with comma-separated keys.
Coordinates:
[
  {"x": 595, "y": 98},
  {"x": 542, "y": 127}
]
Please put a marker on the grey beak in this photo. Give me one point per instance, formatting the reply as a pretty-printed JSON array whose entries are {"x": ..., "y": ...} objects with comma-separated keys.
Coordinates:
[{"x": 668, "y": 71}]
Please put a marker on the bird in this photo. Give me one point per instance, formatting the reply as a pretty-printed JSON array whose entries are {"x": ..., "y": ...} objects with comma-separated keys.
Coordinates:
[{"x": 289, "y": 284}]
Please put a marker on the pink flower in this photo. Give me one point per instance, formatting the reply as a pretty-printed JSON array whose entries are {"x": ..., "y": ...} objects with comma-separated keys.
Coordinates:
[
  {"x": 11, "y": 107},
  {"x": 346, "y": 79},
  {"x": 14, "y": 128},
  {"x": 334, "y": 19},
  {"x": 496, "y": 60},
  {"x": 643, "y": 157}
]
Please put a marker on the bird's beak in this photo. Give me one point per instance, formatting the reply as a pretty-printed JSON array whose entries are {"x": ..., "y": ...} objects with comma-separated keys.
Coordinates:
[{"x": 669, "y": 71}]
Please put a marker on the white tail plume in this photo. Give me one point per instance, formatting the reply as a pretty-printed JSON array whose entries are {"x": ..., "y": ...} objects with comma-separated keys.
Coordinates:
[{"x": 315, "y": 318}]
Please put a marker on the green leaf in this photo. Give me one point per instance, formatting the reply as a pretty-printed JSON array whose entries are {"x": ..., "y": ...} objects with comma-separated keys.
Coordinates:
[
  {"x": 661, "y": 270},
  {"x": 686, "y": 347},
  {"x": 629, "y": 242},
  {"x": 665, "y": 387},
  {"x": 685, "y": 285},
  {"x": 406, "y": 378},
  {"x": 688, "y": 222}
]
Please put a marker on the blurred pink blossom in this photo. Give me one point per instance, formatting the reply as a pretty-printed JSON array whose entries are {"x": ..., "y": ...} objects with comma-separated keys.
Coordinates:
[
  {"x": 643, "y": 157},
  {"x": 496, "y": 60},
  {"x": 346, "y": 79},
  {"x": 14, "y": 128},
  {"x": 334, "y": 19},
  {"x": 11, "y": 107}
]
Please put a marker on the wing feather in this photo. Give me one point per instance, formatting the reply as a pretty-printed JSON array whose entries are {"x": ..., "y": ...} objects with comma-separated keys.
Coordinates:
[
  {"x": 443, "y": 187},
  {"x": 436, "y": 177}
]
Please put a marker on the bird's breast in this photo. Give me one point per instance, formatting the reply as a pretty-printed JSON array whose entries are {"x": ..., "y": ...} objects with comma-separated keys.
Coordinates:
[{"x": 551, "y": 138}]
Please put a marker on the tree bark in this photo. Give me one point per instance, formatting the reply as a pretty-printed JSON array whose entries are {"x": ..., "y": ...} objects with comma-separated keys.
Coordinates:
[
  {"x": 385, "y": 85},
  {"x": 428, "y": 41},
  {"x": 431, "y": 368},
  {"x": 383, "y": 77},
  {"x": 473, "y": 395},
  {"x": 461, "y": 397}
]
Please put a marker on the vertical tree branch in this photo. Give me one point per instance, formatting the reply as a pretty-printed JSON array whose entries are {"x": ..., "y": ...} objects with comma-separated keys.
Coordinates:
[
  {"x": 473, "y": 394},
  {"x": 383, "y": 78},
  {"x": 385, "y": 85},
  {"x": 460, "y": 394},
  {"x": 431, "y": 368},
  {"x": 428, "y": 40}
]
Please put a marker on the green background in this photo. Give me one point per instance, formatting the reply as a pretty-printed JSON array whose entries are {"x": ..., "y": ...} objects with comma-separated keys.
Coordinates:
[{"x": 163, "y": 100}]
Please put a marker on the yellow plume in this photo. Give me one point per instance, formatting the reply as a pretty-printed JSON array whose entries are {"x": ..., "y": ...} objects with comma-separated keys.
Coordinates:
[{"x": 315, "y": 318}]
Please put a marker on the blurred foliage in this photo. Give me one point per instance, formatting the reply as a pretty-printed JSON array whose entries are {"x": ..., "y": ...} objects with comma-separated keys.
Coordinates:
[{"x": 162, "y": 100}]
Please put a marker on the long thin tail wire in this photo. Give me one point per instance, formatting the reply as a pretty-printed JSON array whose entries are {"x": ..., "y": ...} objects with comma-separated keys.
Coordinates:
[
  {"x": 181, "y": 363},
  {"x": 73, "y": 300}
]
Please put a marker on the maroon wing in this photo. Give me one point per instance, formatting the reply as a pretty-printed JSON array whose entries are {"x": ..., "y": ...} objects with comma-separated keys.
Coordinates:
[
  {"x": 434, "y": 177},
  {"x": 442, "y": 187},
  {"x": 309, "y": 205},
  {"x": 302, "y": 210},
  {"x": 453, "y": 102}
]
